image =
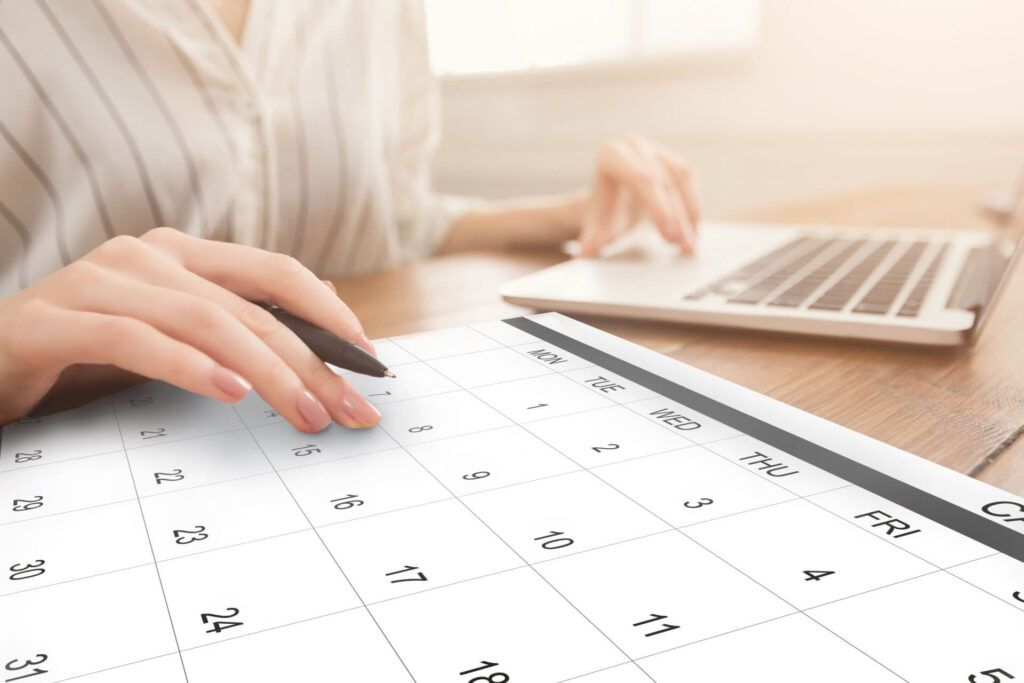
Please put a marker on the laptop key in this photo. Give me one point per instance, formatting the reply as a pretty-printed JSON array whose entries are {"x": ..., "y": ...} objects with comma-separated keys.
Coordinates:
[
  {"x": 839, "y": 294},
  {"x": 912, "y": 304},
  {"x": 881, "y": 296}
]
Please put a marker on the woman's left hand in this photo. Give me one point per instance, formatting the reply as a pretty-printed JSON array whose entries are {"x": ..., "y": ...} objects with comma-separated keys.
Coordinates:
[{"x": 636, "y": 177}]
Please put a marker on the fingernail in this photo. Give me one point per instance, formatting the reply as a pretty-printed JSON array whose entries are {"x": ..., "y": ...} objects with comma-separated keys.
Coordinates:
[
  {"x": 330, "y": 286},
  {"x": 364, "y": 341},
  {"x": 360, "y": 410},
  {"x": 231, "y": 383},
  {"x": 312, "y": 411}
]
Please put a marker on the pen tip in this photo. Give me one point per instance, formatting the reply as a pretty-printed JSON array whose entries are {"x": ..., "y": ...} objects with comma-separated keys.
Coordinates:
[{"x": 388, "y": 373}]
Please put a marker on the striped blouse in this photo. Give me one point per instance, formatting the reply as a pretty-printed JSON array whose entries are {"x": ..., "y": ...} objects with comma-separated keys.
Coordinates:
[{"x": 312, "y": 135}]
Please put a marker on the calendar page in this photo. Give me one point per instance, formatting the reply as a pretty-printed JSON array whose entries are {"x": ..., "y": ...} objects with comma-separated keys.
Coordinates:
[{"x": 542, "y": 502}]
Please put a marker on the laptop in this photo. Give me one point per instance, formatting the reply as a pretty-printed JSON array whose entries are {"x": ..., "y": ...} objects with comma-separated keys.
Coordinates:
[{"x": 917, "y": 286}]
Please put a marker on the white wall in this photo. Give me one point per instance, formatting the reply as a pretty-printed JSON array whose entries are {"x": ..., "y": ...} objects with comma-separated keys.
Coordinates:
[{"x": 840, "y": 95}]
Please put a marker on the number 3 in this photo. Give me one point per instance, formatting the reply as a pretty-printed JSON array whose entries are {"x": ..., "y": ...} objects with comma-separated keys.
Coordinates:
[{"x": 693, "y": 505}]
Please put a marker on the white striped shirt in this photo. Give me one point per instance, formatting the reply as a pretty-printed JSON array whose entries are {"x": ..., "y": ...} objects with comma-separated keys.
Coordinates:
[{"x": 312, "y": 136}]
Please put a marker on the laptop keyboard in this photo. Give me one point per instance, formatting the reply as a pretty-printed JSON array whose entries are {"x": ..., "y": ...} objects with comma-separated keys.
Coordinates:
[{"x": 794, "y": 275}]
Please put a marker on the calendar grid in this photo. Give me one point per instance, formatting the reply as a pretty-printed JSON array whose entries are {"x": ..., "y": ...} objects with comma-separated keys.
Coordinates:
[
  {"x": 689, "y": 537},
  {"x": 618, "y": 474},
  {"x": 152, "y": 552},
  {"x": 362, "y": 601},
  {"x": 833, "y": 513}
]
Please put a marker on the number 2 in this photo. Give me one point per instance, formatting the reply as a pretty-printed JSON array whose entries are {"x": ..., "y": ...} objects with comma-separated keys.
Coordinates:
[
  {"x": 153, "y": 433},
  {"x": 609, "y": 447}
]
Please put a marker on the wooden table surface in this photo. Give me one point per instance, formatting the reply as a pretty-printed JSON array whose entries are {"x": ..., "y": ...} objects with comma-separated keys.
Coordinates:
[{"x": 963, "y": 408}]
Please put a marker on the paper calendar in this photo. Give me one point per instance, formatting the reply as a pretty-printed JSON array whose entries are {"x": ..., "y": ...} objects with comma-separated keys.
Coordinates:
[{"x": 542, "y": 502}]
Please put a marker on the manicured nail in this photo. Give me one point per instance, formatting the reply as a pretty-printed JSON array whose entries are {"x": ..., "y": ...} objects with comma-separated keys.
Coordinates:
[
  {"x": 312, "y": 411},
  {"x": 360, "y": 410},
  {"x": 364, "y": 341},
  {"x": 231, "y": 383}
]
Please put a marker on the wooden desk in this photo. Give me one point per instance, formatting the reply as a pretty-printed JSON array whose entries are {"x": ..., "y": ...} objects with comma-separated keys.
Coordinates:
[{"x": 963, "y": 408}]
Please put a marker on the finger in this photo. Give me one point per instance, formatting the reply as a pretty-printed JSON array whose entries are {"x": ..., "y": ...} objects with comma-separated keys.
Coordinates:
[
  {"x": 687, "y": 239},
  {"x": 207, "y": 326},
  {"x": 260, "y": 275},
  {"x": 598, "y": 221},
  {"x": 83, "y": 337},
  {"x": 647, "y": 184},
  {"x": 243, "y": 336},
  {"x": 685, "y": 182}
]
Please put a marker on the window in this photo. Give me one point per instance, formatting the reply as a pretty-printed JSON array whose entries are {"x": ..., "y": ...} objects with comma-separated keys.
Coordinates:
[{"x": 494, "y": 36}]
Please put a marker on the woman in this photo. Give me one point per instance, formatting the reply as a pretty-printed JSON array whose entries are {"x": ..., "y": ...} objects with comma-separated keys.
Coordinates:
[{"x": 284, "y": 142}]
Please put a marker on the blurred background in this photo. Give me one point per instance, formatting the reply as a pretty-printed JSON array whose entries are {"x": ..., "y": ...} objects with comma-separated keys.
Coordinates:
[{"x": 771, "y": 100}]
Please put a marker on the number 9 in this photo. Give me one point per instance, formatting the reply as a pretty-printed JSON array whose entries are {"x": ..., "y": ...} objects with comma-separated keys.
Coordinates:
[{"x": 476, "y": 475}]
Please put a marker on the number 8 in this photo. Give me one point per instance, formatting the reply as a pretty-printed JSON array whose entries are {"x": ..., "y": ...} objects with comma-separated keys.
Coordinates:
[{"x": 493, "y": 678}]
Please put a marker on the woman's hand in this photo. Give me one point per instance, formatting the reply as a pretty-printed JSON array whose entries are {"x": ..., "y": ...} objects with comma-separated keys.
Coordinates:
[
  {"x": 636, "y": 177},
  {"x": 633, "y": 178},
  {"x": 177, "y": 308}
]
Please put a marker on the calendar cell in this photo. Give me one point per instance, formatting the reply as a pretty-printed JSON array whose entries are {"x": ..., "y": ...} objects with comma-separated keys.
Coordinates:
[
  {"x": 58, "y": 548},
  {"x": 339, "y": 647},
  {"x": 486, "y": 460},
  {"x": 166, "y": 669},
  {"x": 652, "y": 608},
  {"x": 391, "y": 354},
  {"x": 937, "y": 628},
  {"x": 561, "y": 515},
  {"x": 223, "y": 594},
  {"x": 552, "y": 357},
  {"x": 774, "y": 465},
  {"x": 287, "y": 447},
  {"x": 998, "y": 575},
  {"x": 429, "y": 418},
  {"x": 442, "y": 343},
  {"x": 255, "y": 412},
  {"x": 365, "y": 485},
  {"x": 488, "y": 367},
  {"x": 806, "y": 555},
  {"x": 538, "y": 398},
  {"x": 408, "y": 551},
  {"x": 50, "y": 626},
  {"x": 65, "y": 486},
  {"x": 686, "y": 422},
  {"x": 921, "y": 536},
  {"x": 219, "y": 515},
  {"x": 511, "y": 623},
  {"x": 613, "y": 387},
  {"x": 185, "y": 464},
  {"x": 151, "y": 425},
  {"x": 792, "y": 649},
  {"x": 691, "y": 485},
  {"x": 415, "y": 380},
  {"x": 504, "y": 333},
  {"x": 90, "y": 432},
  {"x": 603, "y": 436},
  {"x": 149, "y": 394}
]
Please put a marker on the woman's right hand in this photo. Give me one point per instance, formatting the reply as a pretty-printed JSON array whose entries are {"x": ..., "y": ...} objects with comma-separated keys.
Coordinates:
[{"x": 177, "y": 308}]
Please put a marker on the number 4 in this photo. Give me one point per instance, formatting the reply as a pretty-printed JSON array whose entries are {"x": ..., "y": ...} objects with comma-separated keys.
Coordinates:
[{"x": 815, "y": 575}]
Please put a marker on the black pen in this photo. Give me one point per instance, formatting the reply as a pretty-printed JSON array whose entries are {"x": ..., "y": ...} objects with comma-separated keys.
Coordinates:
[{"x": 329, "y": 347}]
